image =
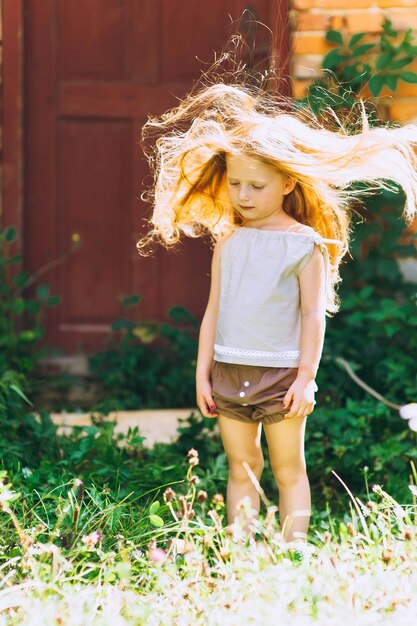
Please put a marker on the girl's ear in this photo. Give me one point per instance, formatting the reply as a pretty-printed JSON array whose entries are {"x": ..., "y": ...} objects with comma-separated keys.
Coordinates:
[{"x": 289, "y": 186}]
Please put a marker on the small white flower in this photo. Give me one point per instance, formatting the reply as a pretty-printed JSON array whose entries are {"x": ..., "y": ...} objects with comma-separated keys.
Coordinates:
[
  {"x": 399, "y": 511},
  {"x": 93, "y": 539},
  {"x": 413, "y": 424},
  {"x": 138, "y": 554},
  {"x": 26, "y": 471},
  {"x": 409, "y": 411}
]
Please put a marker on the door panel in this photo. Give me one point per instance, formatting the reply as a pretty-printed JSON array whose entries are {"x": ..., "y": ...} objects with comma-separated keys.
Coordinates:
[
  {"x": 94, "y": 176},
  {"x": 94, "y": 71},
  {"x": 92, "y": 42}
]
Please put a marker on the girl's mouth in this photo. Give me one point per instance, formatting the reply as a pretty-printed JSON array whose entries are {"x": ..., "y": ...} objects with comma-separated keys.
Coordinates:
[{"x": 245, "y": 208}]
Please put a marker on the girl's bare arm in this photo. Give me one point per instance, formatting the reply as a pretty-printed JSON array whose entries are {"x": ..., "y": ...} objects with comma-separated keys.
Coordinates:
[
  {"x": 313, "y": 323},
  {"x": 313, "y": 314},
  {"x": 206, "y": 339}
]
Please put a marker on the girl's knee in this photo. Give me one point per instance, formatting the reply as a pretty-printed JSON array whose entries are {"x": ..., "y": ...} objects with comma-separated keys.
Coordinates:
[
  {"x": 238, "y": 470},
  {"x": 287, "y": 475}
]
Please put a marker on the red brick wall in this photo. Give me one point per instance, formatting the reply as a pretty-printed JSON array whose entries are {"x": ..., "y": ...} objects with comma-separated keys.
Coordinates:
[{"x": 311, "y": 18}]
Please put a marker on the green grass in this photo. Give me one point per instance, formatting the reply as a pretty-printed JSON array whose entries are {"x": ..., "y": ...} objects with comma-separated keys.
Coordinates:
[{"x": 74, "y": 554}]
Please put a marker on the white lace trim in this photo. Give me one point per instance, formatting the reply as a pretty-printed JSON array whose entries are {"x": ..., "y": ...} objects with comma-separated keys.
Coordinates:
[{"x": 257, "y": 354}]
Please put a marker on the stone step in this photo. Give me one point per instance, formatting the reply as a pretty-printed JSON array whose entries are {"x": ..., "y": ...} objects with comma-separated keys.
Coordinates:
[{"x": 156, "y": 425}]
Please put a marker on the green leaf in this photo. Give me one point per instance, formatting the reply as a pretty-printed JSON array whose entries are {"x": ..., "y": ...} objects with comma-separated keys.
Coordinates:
[
  {"x": 180, "y": 314},
  {"x": 53, "y": 301},
  {"x": 366, "y": 291},
  {"x": 351, "y": 71},
  {"x": 376, "y": 83},
  {"x": 10, "y": 234},
  {"x": 146, "y": 331},
  {"x": 410, "y": 50},
  {"x": 131, "y": 300},
  {"x": 33, "y": 307},
  {"x": 27, "y": 336},
  {"x": 20, "y": 393},
  {"x": 387, "y": 45},
  {"x": 390, "y": 329},
  {"x": 21, "y": 279},
  {"x": 156, "y": 520},
  {"x": 360, "y": 50},
  {"x": 397, "y": 65},
  {"x": 334, "y": 36},
  {"x": 409, "y": 77},
  {"x": 13, "y": 259},
  {"x": 383, "y": 60},
  {"x": 408, "y": 36},
  {"x": 122, "y": 323},
  {"x": 356, "y": 39},
  {"x": 154, "y": 508},
  {"x": 409, "y": 250},
  {"x": 18, "y": 306},
  {"x": 332, "y": 59},
  {"x": 42, "y": 291},
  {"x": 391, "y": 82},
  {"x": 388, "y": 29}
]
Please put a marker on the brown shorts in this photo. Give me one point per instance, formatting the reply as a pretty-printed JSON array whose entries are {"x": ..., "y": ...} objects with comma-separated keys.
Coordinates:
[{"x": 250, "y": 393}]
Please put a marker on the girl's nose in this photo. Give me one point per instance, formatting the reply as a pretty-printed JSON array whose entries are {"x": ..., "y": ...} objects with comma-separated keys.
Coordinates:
[{"x": 243, "y": 193}]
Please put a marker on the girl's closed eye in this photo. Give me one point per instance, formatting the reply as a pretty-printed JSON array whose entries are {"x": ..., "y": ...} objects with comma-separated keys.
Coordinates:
[{"x": 235, "y": 184}]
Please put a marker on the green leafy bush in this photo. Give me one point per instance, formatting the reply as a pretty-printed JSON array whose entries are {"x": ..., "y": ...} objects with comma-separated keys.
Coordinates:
[
  {"x": 148, "y": 364},
  {"x": 21, "y": 327},
  {"x": 361, "y": 61},
  {"x": 375, "y": 329}
]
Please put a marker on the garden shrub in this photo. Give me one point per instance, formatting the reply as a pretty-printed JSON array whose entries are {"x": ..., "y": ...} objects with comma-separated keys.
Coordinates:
[
  {"x": 21, "y": 315},
  {"x": 148, "y": 364},
  {"x": 354, "y": 68},
  {"x": 21, "y": 328}
]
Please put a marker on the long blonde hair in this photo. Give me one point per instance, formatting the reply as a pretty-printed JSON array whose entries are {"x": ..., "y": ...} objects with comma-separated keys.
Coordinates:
[{"x": 187, "y": 147}]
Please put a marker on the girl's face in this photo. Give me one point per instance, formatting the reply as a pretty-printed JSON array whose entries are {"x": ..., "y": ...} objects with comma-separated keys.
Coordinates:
[{"x": 257, "y": 190}]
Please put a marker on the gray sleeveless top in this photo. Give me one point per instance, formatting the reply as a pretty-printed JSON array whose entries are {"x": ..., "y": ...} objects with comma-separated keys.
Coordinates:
[{"x": 259, "y": 318}]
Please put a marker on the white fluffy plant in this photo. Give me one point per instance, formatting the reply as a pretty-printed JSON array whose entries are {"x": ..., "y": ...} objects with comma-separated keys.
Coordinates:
[{"x": 409, "y": 412}]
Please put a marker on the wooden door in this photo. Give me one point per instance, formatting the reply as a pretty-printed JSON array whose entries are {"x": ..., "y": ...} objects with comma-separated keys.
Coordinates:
[{"x": 94, "y": 70}]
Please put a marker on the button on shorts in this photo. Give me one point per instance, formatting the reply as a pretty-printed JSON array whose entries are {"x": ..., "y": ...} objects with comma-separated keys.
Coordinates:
[{"x": 251, "y": 393}]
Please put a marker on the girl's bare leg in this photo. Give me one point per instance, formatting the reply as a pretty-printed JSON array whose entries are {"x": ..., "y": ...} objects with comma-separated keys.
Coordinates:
[
  {"x": 286, "y": 452},
  {"x": 242, "y": 442}
]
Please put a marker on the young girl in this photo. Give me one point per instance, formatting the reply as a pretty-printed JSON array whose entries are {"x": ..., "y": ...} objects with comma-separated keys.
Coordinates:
[{"x": 272, "y": 187}]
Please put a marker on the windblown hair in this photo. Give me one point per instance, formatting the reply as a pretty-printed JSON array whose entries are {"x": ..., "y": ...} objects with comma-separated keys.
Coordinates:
[{"x": 189, "y": 145}]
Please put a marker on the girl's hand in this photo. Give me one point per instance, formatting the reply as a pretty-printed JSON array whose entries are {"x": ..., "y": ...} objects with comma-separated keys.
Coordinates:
[
  {"x": 205, "y": 400},
  {"x": 301, "y": 398}
]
